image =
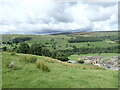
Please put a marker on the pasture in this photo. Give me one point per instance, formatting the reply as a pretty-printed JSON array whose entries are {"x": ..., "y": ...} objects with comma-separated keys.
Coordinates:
[{"x": 61, "y": 75}]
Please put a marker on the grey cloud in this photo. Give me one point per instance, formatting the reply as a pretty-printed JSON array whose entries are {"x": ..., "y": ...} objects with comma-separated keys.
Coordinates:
[
  {"x": 103, "y": 4},
  {"x": 54, "y": 17}
]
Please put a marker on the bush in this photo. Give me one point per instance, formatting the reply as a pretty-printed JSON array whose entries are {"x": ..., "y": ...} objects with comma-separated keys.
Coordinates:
[
  {"x": 30, "y": 59},
  {"x": 43, "y": 66},
  {"x": 13, "y": 66},
  {"x": 81, "y": 61},
  {"x": 13, "y": 53}
]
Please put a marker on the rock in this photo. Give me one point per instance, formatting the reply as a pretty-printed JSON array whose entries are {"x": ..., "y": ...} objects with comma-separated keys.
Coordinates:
[{"x": 11, "y": 64}]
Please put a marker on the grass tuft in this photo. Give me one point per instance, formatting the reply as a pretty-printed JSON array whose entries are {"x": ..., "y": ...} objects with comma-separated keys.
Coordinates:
[
  {"x": 13, "y": 53},
  {"x": 29, "y": 59},
  {"x": 32, "y": 59},
  {"x": 43, "y": 66}
]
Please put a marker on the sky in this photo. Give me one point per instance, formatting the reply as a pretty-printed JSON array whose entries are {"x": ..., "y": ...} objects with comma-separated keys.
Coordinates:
[{"x": 49, "y": 17}]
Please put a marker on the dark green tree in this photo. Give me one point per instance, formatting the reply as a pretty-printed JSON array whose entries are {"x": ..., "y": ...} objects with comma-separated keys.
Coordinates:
[
  {"x": 46, "y": 52},
  {"x": 36, "y": 49},
  {"x": 4, "y": 48},
  {"x": 62, "y": 57},
  {"x": 23, "y": 48}
]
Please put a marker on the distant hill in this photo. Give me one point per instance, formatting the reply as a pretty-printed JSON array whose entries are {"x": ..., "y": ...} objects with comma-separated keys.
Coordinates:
[{"x": 83, "y": 32}]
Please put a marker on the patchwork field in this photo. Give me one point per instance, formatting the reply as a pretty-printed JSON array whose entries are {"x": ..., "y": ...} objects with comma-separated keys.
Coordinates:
[{"x": 61, "y": 41}]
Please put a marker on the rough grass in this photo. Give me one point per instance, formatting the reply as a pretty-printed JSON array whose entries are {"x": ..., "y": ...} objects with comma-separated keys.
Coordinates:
[
  {"x": 29, "y": 59},
  {"x": 62, "y": 75}
]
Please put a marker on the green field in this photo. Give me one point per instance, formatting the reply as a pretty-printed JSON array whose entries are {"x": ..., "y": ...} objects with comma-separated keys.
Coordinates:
[
  {"x": 61, "y": 75},
  {"x": 104, "y": 55},
  {"x": 62, "y": 40}
]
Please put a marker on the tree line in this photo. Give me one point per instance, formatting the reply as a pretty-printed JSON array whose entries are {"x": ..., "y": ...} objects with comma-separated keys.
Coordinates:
[
  {"x": 84, "y": 39},
  {"x": 87, "y": 50},
  {"x": 79, "y": 39},
  {"x": 40, "y": 49}
]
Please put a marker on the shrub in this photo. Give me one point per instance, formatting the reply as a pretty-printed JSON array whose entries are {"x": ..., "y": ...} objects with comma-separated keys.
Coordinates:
[
  {"x": 81, "y": 61},
  {"x": 43, "y": 66},
  {"x": 13, "y": 53},
  {"x": 30, "y": 59},
  {"x": 13, "y": 66}
]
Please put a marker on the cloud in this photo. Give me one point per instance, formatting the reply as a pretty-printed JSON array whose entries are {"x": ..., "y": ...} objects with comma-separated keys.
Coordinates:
[{"x": 43, "y": 17}]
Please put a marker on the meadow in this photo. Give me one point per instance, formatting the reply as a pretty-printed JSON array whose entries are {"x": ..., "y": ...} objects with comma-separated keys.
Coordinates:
[{"x": 19, "y": 72}]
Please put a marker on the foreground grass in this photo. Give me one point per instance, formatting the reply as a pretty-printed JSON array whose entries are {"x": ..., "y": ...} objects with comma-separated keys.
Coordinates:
[{"x": 61, "y": 75}]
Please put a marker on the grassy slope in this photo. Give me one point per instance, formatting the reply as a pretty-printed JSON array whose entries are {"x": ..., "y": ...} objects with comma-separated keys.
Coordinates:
[{"x": 62, "y": 75}]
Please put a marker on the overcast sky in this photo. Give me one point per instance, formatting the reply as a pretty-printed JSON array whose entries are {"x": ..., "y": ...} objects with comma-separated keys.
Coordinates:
[{"x": 43, "y": 17}]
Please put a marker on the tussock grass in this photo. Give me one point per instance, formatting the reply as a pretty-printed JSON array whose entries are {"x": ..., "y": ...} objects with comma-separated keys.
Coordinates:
[
  {"x": 13, "y": 53},
  {"x": 43, "y": 66},
  {"x": 26, "y": 58},
  {"x": 32, "y": 59}
]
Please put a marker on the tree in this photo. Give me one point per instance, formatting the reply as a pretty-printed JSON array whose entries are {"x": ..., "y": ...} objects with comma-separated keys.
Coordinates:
[
  {"x": 14, "y": 48},
  {"x": 21, "y": 39},
  {"x": 54, "y": 54},
  {"x": 36, "y": 49},
  {"x": 23, "y": 48},
  {"x": 4, "y": 48},
  {"x": 81, "y": 61},
  {"x": 88, "y": 44},
  {"x": 66, "y": 45},
  {"x": 46, "y": 52},
  {"x": 3, "y": 42},
  {"x": 62, "y": 57}
]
